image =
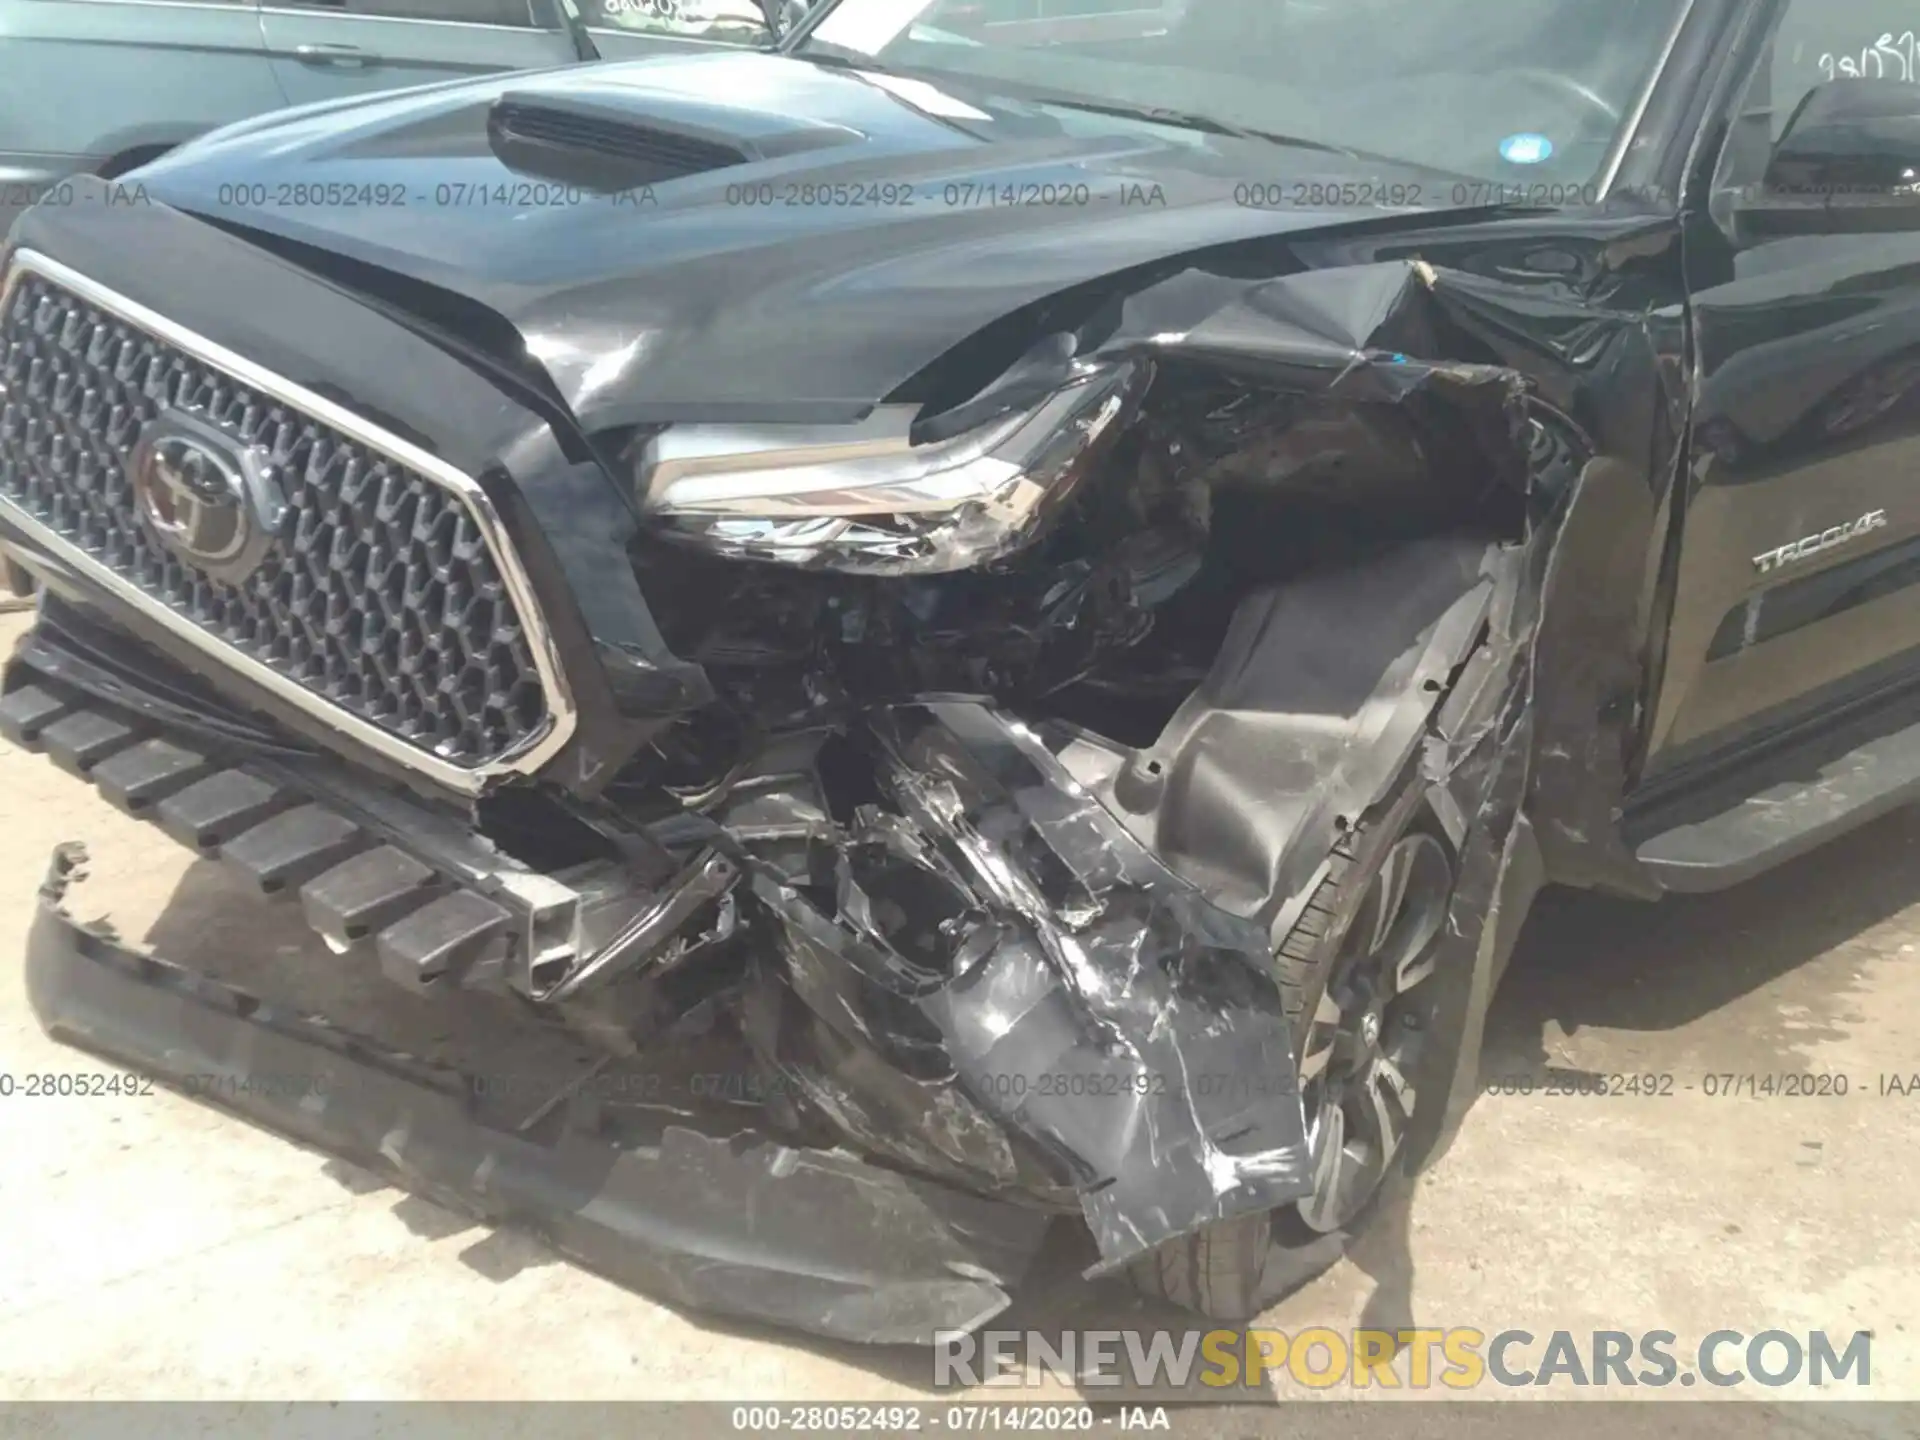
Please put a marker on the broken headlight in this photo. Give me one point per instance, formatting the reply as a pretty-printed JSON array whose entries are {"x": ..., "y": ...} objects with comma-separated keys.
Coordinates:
[{"x": 865, "y": 498}]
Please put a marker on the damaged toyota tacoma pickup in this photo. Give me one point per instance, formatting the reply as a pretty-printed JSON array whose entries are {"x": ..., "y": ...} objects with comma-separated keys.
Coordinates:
[{"x": 1060, "y": 585}]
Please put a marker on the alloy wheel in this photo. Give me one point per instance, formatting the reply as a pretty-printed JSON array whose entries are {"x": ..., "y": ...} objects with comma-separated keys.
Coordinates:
[{"x": 1366, "y": 1032}]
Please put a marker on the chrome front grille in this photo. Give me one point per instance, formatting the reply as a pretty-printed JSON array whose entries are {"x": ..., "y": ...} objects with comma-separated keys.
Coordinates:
[{"x": 387, "y": 599}]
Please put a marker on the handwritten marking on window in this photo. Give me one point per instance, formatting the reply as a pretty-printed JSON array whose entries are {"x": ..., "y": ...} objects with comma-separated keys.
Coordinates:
[{"x": 1886, "y": 59}]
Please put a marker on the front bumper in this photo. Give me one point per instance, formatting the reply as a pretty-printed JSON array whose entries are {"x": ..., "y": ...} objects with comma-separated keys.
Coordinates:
[
  {"x": 737, "y": 1223},
  {"x": 979, "y": 979},
  {"x": 1054, "y": 1017}
]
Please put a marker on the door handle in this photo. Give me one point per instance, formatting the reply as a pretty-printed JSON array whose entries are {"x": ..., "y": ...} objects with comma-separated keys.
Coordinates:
[{"x": 351, "y": 56}]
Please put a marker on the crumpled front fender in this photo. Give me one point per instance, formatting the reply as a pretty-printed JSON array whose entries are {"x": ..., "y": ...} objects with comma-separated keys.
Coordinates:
[
  {"x": 1022, "y": 962},
  {"x": 1003, "y": 982}
]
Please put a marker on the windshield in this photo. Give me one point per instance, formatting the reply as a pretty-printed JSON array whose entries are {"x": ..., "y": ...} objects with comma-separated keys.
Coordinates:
[{"x": 1528, "y": 95}]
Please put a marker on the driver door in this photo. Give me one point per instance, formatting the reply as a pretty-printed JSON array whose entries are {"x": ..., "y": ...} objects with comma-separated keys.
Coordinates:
[{"x": 1800, "y": 552}]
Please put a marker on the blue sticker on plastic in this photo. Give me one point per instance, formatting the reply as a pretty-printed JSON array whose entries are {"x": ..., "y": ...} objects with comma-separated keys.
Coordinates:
[{"x": 1526, "y": 149}]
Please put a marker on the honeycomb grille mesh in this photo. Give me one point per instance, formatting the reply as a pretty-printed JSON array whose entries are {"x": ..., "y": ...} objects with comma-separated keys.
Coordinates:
[{"x": 379, "y": 593}]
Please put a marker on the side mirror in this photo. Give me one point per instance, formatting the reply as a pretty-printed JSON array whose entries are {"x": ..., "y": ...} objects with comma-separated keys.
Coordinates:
[
  {"x": 782, "y": 16},
  {"x": 1848, "y": 164}
]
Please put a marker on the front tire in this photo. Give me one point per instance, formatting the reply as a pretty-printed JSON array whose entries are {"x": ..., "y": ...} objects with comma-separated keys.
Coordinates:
[{"x": 1351, "y": 973}]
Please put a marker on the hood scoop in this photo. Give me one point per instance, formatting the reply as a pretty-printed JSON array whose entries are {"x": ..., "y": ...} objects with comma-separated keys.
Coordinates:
[
  {"x": 601, "y": 144},
  {"x": 599, "y": 147}
]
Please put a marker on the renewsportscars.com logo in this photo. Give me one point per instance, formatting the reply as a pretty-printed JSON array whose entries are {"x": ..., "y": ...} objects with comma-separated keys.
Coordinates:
[{"x": 1461, "y": 1358}]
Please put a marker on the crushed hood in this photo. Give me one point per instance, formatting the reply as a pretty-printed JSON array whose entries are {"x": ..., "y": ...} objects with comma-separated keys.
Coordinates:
[{"x": 821, "y": 236}]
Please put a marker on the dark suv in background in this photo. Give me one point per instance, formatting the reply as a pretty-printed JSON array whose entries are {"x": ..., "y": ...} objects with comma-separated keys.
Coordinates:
[{"x": 103, "y": 86}]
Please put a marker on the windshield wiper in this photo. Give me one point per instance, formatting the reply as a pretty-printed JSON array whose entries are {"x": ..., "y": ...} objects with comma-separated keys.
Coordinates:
[
  {"x": 843, "y": 58},
  {"x": 1192, "y": 120}
]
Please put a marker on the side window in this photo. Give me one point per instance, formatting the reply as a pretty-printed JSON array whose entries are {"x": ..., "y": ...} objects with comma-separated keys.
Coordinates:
[
  {"x": 1821, "y": 40},
  {"x": 1817, "y": 41},
  {"x": 520, "y": 14},
  {"x": 740, "y": 21}
]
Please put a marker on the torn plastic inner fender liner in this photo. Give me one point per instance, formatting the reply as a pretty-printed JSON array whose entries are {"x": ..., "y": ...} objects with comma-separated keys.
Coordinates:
[
  {"x": 1004, "y": 937},
  {"x": 1044, "y": 935},
  {"x": 1002, "y": 955}
]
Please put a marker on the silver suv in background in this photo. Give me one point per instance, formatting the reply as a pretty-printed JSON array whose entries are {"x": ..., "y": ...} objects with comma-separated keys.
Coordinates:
[{"x": 103, "y": 86}]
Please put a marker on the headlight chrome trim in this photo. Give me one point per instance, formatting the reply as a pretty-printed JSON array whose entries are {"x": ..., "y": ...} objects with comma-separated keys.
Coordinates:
[{"x": 864, "y": 499}]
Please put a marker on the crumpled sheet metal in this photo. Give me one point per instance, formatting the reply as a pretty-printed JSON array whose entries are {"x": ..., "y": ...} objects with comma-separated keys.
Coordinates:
[
  {"x": 736, "y": 1223},
  {"x": 1047, "y": 971},
  {"x": 1354, "y": 330},
  {"x": 1590, "y": 679},
  {"x": 1603, "y": 353},
  {"x": 1362, "y": 334},
  {"x": 1006, "y": 961},
  {"x": 1477, "y": 757},
  {"x": 1080, "y": 905},
  {"x": 1315, "y": 717},
  {"x": 1360, "y": 341},
  {"x": 1359, "y": 333}
]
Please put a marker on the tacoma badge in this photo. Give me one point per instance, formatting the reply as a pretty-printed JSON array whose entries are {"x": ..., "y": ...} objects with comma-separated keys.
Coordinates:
[{"x": 1825, "y": 540}]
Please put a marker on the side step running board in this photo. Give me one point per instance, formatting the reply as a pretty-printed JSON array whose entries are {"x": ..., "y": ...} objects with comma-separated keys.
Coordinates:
[{"x": 1784, "y": 805}]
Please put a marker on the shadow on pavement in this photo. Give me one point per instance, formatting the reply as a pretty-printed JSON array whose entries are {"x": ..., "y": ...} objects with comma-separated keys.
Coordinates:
[{"x": 1588, "y": 962}]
